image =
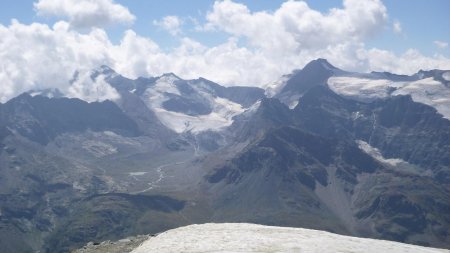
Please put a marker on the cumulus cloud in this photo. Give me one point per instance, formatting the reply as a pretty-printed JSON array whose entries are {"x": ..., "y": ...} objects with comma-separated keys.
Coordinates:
[
  {"x": 90, "y": 89},
  {"x": 294, "y": 34},
  {"x": 441, "y": 44},
  {"x": 39, "y": 56},
  {"x": 397, "y": 27},
  {"x": 295, "y": 26},
  {"x": 36, "y": 56},
  {"x": 172, "y": 24},
  {"x": 85, "y": 13},
  {"x": 409, "y": 62}
]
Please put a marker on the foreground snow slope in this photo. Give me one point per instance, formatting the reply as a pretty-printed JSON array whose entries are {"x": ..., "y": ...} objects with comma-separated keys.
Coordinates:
[{"x": 241, "y": 237}]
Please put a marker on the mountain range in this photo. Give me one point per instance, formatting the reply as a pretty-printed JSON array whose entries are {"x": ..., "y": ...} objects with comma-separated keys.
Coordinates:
[{"x": 360, "y": 154}]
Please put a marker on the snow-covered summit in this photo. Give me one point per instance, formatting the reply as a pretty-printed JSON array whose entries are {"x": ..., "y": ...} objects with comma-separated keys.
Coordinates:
[
  {"x": 290, "y": 88},
  {"x": 428, "y": 87},
  {"x": 241, "y": 237},
  {"x": 194, "y": 105},
  {"x": 426, "y": 91}
]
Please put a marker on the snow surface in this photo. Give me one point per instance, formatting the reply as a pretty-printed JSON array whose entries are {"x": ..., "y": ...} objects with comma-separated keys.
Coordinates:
[
  {"x": 138, "y": 173},
  {"x": 166, "y": 83},
  {"x": 394, "y": 163},
  {"x": 427, "y": 91},
  {"x": 274, "y": 88},
  {"x": 446, "y": 76},
  {"x": 223, "y": 110},
  {"x": 294, "y": 102},
  {"x": 361, "y": 88},
  {"x": 41, "y": 93},
  {"x": 241, "y": 237},
  {"x": 375, "y": 153},
  {"x": 221, "y": 116}
]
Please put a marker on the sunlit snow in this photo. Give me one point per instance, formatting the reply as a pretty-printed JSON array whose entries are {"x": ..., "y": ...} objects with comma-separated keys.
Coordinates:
[
  {"x": 274, "y": 88},
  {"x": 361, "y": 88},
  {"x": 375, "y": 153},
  {"x": 221, "y": 116},
  {"x": 446, "y": 76},
  {"x": 166, "y": 84},
  {"x": 240, "y": 237},
  {"x": 430, "y": 92},
  {"x": 427, "y": 91},
  {"x": 223, "y": 110}
]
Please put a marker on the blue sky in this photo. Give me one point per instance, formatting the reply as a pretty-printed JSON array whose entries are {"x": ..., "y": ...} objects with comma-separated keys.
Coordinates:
[{"x": 231, "y": 42}]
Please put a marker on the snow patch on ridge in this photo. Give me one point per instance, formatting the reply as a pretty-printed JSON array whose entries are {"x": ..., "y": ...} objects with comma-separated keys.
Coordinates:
[
  {"x": 362, "y": 88},
  {"x": 430, "y": 92},
  {"x": 375, "y": 153},
  {"x": 166, "y": 84},
  {"x": 394, "y": 163},
  {"x": 427, "y": 91},
  {"x": 294, "y": 103},
  {"x": 223, "y": 110},
  {"x": 221, "y": 116},
  {"x": 274, "y": 88},
  {"x": 446, "y": 76},
  {"x": 50, "y": 93},
  {"x": 241, "y": 237}
]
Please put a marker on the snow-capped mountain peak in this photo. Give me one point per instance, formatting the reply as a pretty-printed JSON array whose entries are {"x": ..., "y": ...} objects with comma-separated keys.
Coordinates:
[
  {"x": 195, "y": 105},
  {"x": 426, "y": 91},
  {"x": 428, "y": 87},
  {"x": 166, "y": 83},
  {"x": 291, "y": 88}
]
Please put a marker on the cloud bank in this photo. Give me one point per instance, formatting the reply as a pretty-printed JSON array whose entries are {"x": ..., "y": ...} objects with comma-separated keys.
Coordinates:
[
  {"x": 260, "y": 48},
  {"x": 83, "y": 14}
]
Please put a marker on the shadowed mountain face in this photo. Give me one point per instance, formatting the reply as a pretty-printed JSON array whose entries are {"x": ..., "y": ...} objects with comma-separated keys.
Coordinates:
[
  {"x": 57, "y": 151},
  {"x": 41, "y": 119},
  {"x": 377, "y": 169},
  {"x": 171, "y": 152},
  {"x": 114, "y": 216},
  {"x": 315, "y": 73},
  {"x": 317, "y": 166}
]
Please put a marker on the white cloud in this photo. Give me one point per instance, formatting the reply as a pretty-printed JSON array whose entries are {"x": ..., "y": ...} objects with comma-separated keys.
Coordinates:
[
  {"x": 172, "y": 24},
  {"x": 397, "y": 27},
  {"x": 409, "y": 62},
  {"x": 294, "y": 34},
  {"x": 36, "y": 56},
  {"x": 85, "y": 13},
  {"x": 84, "y": 87},
  {"x": 295, "y": 26},
  {"x": 441, "y": 44}
]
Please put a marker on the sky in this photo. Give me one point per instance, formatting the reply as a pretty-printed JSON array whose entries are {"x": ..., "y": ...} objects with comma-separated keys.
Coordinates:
[{"x": 43, "y": 43}]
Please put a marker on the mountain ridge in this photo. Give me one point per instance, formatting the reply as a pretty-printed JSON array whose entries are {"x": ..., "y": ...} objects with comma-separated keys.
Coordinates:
[{"x": 356, "y": 154}]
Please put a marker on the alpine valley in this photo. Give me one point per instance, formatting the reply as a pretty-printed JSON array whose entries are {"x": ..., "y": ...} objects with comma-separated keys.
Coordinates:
[{"x": 359, "y": 154}]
